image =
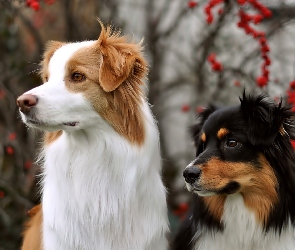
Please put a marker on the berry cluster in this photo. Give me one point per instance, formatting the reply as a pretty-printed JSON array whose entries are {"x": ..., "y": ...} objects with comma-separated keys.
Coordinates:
[
  {"x": 35, "y": 4},
  {"x": 208, "y": 9},
  {"x": 192, "y": 4},
  {"x": 215, "y": 65},
  {"x": 246, "y": 22},
  {"x": 181, "y": 210}
]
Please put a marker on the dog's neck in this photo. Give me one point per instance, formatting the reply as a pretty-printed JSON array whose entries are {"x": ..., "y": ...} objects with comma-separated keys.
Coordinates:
[
  {"x": 95, "y": 183},
  {"x": 242, "y": 230}
]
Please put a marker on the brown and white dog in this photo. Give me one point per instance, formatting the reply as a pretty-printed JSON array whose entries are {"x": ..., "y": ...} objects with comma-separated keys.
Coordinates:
[{"x": 101, "y": 186}]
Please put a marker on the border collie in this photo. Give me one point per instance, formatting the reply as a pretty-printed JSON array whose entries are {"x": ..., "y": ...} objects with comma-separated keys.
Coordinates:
[
  {"x": 101, "y": 185},
  {"x": 243, "y": 178}
]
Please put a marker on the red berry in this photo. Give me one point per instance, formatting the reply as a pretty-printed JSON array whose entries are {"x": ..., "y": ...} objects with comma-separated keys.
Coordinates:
[
  {"x": 209, "y": 19},
  {"x": 9, "y": 150},
  {"x": 241, "y": 24},
  {"x": 12, "y": 136},
  {"x": 261, "y": 81},
  {"x": 241, "y": 2},
  {"x": 220, "y": 11},
  {"x": 185, "y": 108},
  {"x": 266, "y": 73},
  {"x": 192, "y": 4},
  {"x": 248, "y": 30},
  {"x": 292, "y": 84},
  {"x": 265, "y": 48},
  {"x": 211, "y": 58},
  {"x": 266, "y": 12},
  {"x": 267, "y": 61},
  {"x": 27, "y": 165},
  {"x": 207, "y": 10},
  {"x": 199, "y": 109},
  {"x": 35, "y": 6},
  {"x": 28, "y": 2},
  {"x": 257, "y": 19},
  {"x": 237, "y": 83},
  {"x": 217, "y": 66},
  {"x": 2, "y": 194},
  {"x": 262, "y": 40}
]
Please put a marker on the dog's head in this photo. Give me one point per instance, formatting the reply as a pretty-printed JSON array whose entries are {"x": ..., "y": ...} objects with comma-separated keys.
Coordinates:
[
  {"x": 86, "y": 84},
  {"x": 233, "y": 146}
]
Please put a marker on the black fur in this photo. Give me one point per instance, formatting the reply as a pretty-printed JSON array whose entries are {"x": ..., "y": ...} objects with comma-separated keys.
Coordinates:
[{"x": 263, "y": 128}]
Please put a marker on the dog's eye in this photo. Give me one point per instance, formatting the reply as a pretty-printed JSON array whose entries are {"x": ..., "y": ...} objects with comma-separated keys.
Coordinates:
[
  {"x": 231, "y": 143},
  {"x": 77, "y": 77}
]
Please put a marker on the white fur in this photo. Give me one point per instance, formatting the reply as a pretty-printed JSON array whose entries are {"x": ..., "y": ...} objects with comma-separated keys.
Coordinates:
[
  {"x": 100, "y": 192},
  {"x": 243, "y": 232}
]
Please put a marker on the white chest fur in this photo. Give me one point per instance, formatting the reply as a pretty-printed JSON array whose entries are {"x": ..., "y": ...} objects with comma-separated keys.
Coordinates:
[
  {"x": 243, "y": 232},
  {"x": 102, "y": 194}
]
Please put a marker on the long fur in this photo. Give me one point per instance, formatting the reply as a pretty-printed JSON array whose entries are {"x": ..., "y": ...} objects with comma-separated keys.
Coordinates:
[
  {"x": 266, "y": 130},
  {"x": 101, "y": 163}
]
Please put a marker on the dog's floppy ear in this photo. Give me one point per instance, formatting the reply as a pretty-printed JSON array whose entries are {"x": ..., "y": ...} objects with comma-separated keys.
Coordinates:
[
  {"x": 119, "y": 59},
  {"x": 264, "y": 119}
]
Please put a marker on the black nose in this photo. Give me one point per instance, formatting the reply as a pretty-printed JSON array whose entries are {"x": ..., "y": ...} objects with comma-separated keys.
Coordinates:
[
  {"x": 191, "y": 174},
  {"x": 26, "y": 102}
]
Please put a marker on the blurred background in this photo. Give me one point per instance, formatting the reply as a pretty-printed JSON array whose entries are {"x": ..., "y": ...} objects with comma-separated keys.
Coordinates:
[{"x": 200, "y": 52}]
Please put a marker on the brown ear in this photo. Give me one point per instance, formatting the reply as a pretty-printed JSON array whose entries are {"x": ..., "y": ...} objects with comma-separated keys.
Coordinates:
[
  {"x": 115, "y": 68},
  {"x": 118, "y": 58}
]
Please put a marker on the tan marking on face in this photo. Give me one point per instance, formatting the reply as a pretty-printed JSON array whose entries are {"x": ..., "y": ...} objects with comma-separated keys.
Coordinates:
[
  {"x": 222, "y": 133},
  {"x": 50, "y": 48},
  {"x": 257, "y": 185},
  {"x": 50, "y": 137},
  {"x": 262, "y": 194},
  {"x": 116, "y": 100},
  {"x": 203, "y": 137},
  {"x": 32, "y": 236},
  {"x": 215, "y": 205}
]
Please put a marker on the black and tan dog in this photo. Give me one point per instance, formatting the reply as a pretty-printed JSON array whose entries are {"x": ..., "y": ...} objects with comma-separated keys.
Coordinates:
[{"x": 244, "y": 179}]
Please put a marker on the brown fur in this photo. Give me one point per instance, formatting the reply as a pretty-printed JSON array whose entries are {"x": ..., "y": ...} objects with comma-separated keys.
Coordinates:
[
  {"x": 32, "y": 234},
  {"x": 215, "y": 205},
  {"x": 264, "y": 190},
  {"x": 50, "y": 137},
  {"x": 203, "y": 137},
  {"x": 258, "y": 185},
  {"x": 222, "y": 133},
  {"x": 118, "y": 102}
]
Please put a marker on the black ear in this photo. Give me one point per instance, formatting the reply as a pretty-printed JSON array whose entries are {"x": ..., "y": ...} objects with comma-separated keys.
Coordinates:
[
  {"x": 202, "y": 117},
  {"x": 264, "y": 119}
]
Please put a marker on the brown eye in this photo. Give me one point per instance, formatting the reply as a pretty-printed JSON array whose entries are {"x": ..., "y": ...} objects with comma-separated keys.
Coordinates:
[
  {"x": 231, "y": 143},
  {"x": 77, "y": 77}
]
